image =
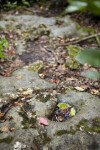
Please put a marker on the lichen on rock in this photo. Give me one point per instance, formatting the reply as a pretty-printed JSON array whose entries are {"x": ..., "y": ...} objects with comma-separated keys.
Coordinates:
[{"x": 71, "y": 52}]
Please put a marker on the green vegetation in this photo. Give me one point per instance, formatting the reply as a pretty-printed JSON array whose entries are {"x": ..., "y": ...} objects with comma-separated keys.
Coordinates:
[
  {"x": 90, "y": 56},
  {"x": 6, "y": 140},
  {"x": 43, "y": 98},
  {"x": 83, "y": 5},
  {"x": 3, "y": 45},
  {"x": 28, "y": 120},
  {"x": 71, "y": 53},
  {"x": 84, "y": 123},
  {"x": 95, "y": 125},
  {"x": 62, "y": 132}
]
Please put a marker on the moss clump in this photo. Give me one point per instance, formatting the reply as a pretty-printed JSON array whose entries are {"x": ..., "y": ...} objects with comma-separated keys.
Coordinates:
[
  {"x": 61, "y": 132},
  {"x": 43, "y": 98},
  {"x": 82, "y": 123},
  {"x": 42, "y": 139},
  {"x": 69, "y": 88},
  {"x": 35, "y": 32},
  {"x": 6, "y": 140},
  {"x": 28, "y": 121},
  {"x": 36, "y": 67},
  {"x": 71, "y": 52},
  {"x": 45, "y": 139},
  {"x": 95, "y": 125},
  {"x": 59, "y": 21}
]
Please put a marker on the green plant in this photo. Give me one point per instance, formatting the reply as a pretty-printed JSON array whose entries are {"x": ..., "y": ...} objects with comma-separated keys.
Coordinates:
[
  {"x": 90, "y": 56},
  {"x": 82, "y": 5},
  {"x": 11, "y": 4},
  {"x": 3, "y": 45}
]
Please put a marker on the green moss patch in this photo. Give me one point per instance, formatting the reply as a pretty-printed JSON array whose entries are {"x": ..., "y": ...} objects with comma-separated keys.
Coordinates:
[
  {"x": 62, "y": 132},
  {"x": 43, "y": 98},
  {"x": 6, "y": 140},
  {"x": 95, "y": 125},
  {"x": 28, "y": 121},
  {"x": 72, "y": 52},
  {"x": 36, "y": 67}
]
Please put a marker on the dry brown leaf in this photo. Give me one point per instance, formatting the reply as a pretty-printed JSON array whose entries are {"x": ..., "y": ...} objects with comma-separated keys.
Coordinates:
[
  {"x": 17, "y": 104},
  {"x": 2, "y": 114},
  {"x": 79, "y": 89},
  {"x": 28, "y": 92},
  {"x": 95, "y": 92},
  {"x": 34, "y": 147},
  {"x": 19, "y": 77},
  {"x": 5, "y": 128},
  {"x": 61, "y": 67}
]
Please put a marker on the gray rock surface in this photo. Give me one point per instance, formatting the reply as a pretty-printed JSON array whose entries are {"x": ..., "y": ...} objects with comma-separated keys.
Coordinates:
[
  {"x": 28, "y": 79},
  {"x": 23, "y": 22},
  {"x": 87, "y": 106}
]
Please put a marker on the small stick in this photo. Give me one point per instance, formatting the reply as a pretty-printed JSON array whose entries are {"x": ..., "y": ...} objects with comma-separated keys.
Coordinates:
[{"x": 78, "y": 41}]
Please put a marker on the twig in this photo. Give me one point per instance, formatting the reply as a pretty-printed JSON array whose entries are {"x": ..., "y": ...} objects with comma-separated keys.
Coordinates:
[{"x": 78, "y": 41}]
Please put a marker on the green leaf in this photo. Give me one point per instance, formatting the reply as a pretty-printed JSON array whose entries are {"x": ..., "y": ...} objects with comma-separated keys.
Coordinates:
[
  {"x": 1, "y": 48},
  {"x": 1, "y": 55},
  {"x": 76, "y": 6},
  {"x": 72, "y": 112},
  {"x": 93, "y": 75},
  {"x": 90, "y": 56},
  {"x": 62, "y": 105}
]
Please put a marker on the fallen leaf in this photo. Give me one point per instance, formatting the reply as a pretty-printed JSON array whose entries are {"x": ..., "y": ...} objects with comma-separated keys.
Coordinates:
[
  {"x": 43, "y": 121},
  {"x": 5, "y": 128},
  {"x": 61, "y": 67},
  {"x": 28, "y": 92},
  {"x": 1, "y": 114},
  {"x": 17, "y": 104},
  {"x": 9, "y": 52},
  {"x": 12, "y": 129},
  {"x": 18, "y": 77},
  {"x": 95, "y": 92},
  {"x": 72, "y": 112},
  {"x": 79, "y": 89},
  {"x": 34, "y": 147}
]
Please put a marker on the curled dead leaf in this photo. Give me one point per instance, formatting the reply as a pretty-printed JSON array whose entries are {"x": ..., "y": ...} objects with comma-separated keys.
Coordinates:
[
  {"x": 5, "y": 128},
  {"x": 17, "y": 104},
  {"x": 79, "y": 89},
  {"x": 19, "y": 77},
  {"x": 2, "y": 114}
]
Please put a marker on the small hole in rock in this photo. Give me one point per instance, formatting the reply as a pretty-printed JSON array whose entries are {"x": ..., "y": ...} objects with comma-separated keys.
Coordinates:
[{"x": 63, "y": 112}]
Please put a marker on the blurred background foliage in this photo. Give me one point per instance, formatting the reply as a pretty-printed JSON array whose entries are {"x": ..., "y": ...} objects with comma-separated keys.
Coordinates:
[{"x": 71, "y": 5}]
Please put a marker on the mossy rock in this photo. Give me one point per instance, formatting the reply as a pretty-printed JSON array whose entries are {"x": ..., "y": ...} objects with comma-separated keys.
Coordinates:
[
  {"x": 94, "y": 128},
  {"x": 6, "y": 140},
  {"x": 43, "y": 97},
  {"x": 35, "y": 32},
  {"x": 72, "y": 52},
  {"x": 62, "y": 132},
  {"x": 36, "y": 67},
  {"x": 29, "y": 117}
]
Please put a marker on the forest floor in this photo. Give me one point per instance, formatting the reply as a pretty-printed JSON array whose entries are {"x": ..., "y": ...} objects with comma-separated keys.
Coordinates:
[{"x": 51, "y": 53}]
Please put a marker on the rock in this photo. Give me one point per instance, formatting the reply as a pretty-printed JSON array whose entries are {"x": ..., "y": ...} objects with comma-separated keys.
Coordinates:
[
  {"x": 22, "y": 78},
  {"x": 83, "y": 128},
  {"x": 22, "y": 139},
  {"x": 79, "y": 141},
  {"x": 20, "y": 48},
  {"x": 36, "y": 66},
  {"x": 43, "y": 109},
  {"x": 68, "y": 28}
]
